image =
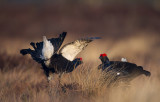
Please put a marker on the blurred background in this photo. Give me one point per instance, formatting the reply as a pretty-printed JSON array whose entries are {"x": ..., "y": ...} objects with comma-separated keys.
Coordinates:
[
  {"x": 129, "y": 29},
  {"x": 29, "y": 18},
  {"x": 125, "y": 26}
]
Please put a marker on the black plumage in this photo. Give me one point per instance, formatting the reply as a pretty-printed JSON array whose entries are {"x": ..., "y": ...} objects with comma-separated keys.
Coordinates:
[
  {"x": 119, "y": 69},
  {"x": 61, "y": 65}
]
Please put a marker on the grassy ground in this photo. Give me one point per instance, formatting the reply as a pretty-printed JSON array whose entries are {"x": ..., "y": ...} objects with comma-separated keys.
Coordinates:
[{"x": 23, "y": 80}]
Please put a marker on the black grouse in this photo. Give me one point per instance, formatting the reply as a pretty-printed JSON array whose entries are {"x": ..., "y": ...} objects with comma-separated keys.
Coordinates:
[
  {"x": 121, "y": 69},
  {"x": 57, "y": 60}
]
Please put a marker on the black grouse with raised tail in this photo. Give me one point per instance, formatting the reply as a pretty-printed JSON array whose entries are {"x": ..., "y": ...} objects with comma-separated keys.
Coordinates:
[{"x": 54, "y": 59}]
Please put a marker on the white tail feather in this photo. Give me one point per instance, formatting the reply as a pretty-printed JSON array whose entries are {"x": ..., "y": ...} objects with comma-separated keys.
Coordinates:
[
  {"x": 124, "y": 60},
  {"x": 47, "y": 50}
]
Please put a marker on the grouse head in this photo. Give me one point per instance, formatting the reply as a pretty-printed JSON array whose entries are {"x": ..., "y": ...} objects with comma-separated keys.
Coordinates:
[
  {"x": 77, "y": 62},
  {"x": 104, "y": 58}
]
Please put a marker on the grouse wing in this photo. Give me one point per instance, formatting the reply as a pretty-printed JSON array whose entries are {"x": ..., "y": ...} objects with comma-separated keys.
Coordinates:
[{"x": 70, "y": 50}]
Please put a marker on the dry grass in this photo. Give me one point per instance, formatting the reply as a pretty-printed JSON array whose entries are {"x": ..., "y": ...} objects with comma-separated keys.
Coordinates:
[{"x": 22, "y": 80}]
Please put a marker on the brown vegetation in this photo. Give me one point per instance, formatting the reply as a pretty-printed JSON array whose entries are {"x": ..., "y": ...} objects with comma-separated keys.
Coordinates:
[{"x": 23, "y": 80}]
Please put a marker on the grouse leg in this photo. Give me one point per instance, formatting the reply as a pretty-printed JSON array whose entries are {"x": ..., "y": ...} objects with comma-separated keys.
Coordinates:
[
  {"x": 60, "y": 84},
  {"x": 59, "y": 78}
]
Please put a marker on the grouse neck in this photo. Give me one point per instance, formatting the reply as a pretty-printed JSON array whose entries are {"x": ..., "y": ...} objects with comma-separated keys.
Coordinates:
[
  {"x": 105, "y": 60},
  {"x": 76, "y": 63}
]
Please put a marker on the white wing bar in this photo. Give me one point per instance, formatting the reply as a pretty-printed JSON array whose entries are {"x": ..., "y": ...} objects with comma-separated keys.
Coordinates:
[{"x": 70, "y": 50}]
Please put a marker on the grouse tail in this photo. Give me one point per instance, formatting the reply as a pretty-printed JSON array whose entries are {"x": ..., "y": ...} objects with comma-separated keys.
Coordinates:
[{"x": 25, "y": 51}]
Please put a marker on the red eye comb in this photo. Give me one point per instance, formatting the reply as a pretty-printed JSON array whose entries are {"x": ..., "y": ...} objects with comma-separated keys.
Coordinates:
[{"x": 103, "y": 55}]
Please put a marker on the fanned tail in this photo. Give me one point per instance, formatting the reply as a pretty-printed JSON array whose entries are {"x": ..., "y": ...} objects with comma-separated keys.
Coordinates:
[
  {"x": 25, "y": 51},
  {"x": 32, "y": 53},
  {"x": 36, "y": 53}
]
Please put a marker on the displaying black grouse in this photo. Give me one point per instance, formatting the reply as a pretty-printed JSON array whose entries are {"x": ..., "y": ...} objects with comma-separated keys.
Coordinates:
[
  {"x": 36, "y": 54},
  {"x": 121, "y": 69},
  {"x": 51, "y": 59}
]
